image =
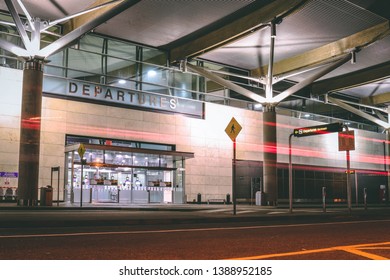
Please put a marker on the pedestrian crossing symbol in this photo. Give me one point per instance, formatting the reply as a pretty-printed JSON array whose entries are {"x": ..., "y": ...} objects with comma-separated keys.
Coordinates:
[
  {"x": 233, "y": 129},
  {"x": 81, "y": 150}
]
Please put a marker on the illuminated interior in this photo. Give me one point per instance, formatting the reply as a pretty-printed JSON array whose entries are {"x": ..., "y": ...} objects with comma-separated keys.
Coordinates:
[{"x": 115, "y": 172}]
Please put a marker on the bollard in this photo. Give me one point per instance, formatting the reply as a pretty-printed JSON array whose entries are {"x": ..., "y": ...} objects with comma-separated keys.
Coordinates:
[
  {"x": 324, "y": 199},
  {"x": 365, "y": 198}
]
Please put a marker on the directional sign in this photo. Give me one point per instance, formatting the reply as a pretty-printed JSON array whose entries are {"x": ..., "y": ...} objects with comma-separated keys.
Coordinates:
[
  {"x": 233, "y": 129},
  {"x": 347, "y": 141},
  {"x": 319, "y": 129},
  {"x": 81, "y": 150},
  {"x": 9, "y": 174}
]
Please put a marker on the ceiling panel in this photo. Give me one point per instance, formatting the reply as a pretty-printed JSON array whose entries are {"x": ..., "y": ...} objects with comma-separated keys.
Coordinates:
[
  {"x": 51, "y": 9},
  {"x": 320, "y": 22},
  {"x": 160, "y": 22}
]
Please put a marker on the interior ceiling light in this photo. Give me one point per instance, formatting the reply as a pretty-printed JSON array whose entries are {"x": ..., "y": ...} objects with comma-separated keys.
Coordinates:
[{"x": 152, "y": 73}]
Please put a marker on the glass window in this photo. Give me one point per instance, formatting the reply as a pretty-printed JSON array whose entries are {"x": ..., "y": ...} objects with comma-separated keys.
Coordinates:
[
  {"x": 121, "y": 50},
  {"x": 74, "y": 139},
  {"x": 56, "y": 65},
  {"x": 89, "y": 66},
  {"x": 95, "y": 156},
  {"x": 157, "y": 147},
  {"x": 120, "y": 158},
  {"x": 183, "y": 84},
  {"x": 91, "y": 43},
  {"x": 155, "y": 79},
  {"x": 154, "y": 56},
  {"x": 121, "y": 73}
]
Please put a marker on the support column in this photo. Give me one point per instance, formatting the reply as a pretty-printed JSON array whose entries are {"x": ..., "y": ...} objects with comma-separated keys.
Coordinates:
[
  {"x": 30, "y": 130},
  {"x": 387, "y": 167},
  {"x": 270, "y": 155}
]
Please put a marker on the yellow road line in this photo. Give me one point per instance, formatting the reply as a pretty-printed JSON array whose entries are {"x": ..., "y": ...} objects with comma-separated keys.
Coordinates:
[
  {"x": 270, "y": 256},
  {"x": 353, "y": 249},
  {"x": 363, "y": 254},
  {"x": 376, "y": 248}
]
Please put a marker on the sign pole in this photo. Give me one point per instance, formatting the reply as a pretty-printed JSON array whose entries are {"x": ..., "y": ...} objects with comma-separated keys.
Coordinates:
[
  {"x": 81, "y": 184},
  {"x": 234, "y": 179},
  {"x": 349, "y": 197},
  {"x": 81, "y": 151},
  {"x": 232, "y": 130},
  {"x": 347, "y": 143},
  {"x": 290, "y": 173},
  {"x": 58, "y": 188}
]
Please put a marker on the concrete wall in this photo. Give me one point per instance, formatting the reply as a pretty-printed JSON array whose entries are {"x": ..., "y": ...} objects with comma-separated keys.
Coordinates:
[
  {"x": 209, "y": 173},
  {"x": 10, "y": 96}
]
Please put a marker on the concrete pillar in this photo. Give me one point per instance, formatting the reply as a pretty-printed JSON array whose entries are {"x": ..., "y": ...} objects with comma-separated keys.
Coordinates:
[
  {"x": 30, "y": 130},
  {"x": 270, "y": 155},
  {"x": 387, "y": 167}
]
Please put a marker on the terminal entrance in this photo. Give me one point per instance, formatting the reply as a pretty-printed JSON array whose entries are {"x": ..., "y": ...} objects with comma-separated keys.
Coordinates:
[{"x": 113, "y": 173}]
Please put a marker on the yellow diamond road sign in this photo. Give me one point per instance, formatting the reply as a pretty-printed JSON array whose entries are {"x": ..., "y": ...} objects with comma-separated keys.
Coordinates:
[
  {"x": 81, "y": 150},
  {"x": 233, "y": 129}
]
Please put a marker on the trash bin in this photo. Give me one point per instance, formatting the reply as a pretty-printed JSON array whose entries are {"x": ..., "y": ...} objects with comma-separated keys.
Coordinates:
[
  {"x": 46, "y": 198},
  {"x": 228, "y": 198}
]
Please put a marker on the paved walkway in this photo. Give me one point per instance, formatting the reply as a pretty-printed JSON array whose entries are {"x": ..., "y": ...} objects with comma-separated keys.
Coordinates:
[{"x": 207, "y": 209}]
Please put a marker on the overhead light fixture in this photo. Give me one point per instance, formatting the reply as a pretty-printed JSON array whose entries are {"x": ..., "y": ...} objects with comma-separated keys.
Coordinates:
[
  {"x": 122, "y": 82},
  {"x": 353, "y": 58}
]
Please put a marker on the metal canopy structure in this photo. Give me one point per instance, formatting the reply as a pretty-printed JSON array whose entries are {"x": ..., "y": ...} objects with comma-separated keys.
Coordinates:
[{"x": 311, "y": 36}]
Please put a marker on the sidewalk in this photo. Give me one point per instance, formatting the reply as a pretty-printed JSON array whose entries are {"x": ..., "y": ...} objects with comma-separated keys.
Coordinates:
[
  {"x": 109, "y": 215},
  {"x": 184, "y": 207}
]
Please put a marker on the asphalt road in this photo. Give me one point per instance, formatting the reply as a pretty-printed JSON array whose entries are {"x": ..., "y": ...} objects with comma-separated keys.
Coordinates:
[{"x": 164, "y": 235}]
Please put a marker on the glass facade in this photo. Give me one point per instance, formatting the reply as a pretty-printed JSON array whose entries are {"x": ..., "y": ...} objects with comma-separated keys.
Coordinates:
[
  {"x": 115, "y": 171},
  {"x": 112, "y": 62}
]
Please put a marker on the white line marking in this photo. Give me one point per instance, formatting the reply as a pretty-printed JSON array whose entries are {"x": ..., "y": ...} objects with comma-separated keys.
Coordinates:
[{"x": 180, "y": 230}]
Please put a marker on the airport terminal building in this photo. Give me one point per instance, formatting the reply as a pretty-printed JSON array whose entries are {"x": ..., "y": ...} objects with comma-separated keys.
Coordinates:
[{"x": 121, "y": 124}]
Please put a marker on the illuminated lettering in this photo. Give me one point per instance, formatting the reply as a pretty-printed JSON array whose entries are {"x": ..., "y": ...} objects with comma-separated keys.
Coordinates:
[
  {"x": 315, "y": 130},
  {"x": 173, "y": 104}
]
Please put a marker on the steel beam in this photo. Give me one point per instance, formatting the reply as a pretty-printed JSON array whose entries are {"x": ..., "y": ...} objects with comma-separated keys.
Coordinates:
[
  {"x": 328, "y": 52},
  {"x": 58, "y": 21},
  {"x": 235, "y": 30},
  {"x": 377, "y": 99},
  {"x": 351, "y": 80},
  {"x": 311, "y": 79},
  {"x": 228, "y": 84},
  {"x": 85, "y": 28},
  {"x": 358, "y": 112},
  {"x": 19, "y": 24},
  {"x": 18, "y": 51}
]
